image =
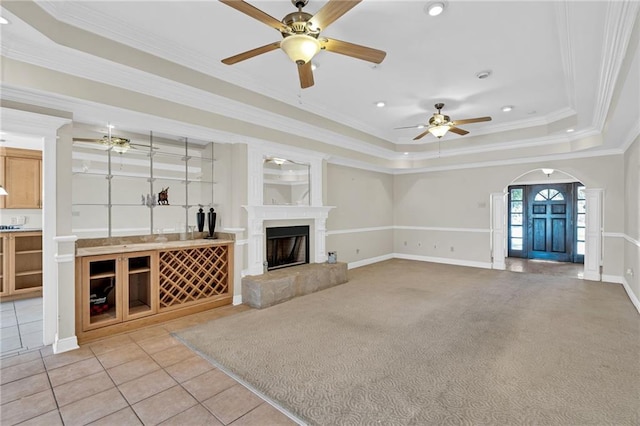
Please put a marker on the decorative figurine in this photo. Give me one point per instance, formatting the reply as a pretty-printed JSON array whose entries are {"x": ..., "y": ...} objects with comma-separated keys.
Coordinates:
[
  {"x": 211, "y": 221},
  {"x": 163, "y": 196},
  {"x": 98, "y": 300},
  {"x": 200, "y": 219}
]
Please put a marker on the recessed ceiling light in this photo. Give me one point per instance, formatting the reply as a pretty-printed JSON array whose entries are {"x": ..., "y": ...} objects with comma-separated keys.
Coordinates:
[
  {"x": 110, "y": 126},
  {"x": 406, "y": 153},
  {"x": 507, "y": 108},
  {"x": 380, "y": 104},
  {"x": 570, "y": 130},
  {"x": 3, "y": 20},
  {"x": 483, "y": 74},
  {"x": 421, "y": 126},
  {"x": 435, "y": 9}
]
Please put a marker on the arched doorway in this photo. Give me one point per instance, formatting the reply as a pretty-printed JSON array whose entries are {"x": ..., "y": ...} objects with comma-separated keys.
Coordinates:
[{"x": 552, "y": 218}]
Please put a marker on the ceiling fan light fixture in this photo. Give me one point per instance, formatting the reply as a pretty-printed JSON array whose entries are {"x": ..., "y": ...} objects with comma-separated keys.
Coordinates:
[
  {"x": 435, "y": 9},
  {"x": 121, "y": 148},
  {"x": 439, "y": 131},
  {"x": 300, "y": 48},
  {"x": 548, "y": 172}
]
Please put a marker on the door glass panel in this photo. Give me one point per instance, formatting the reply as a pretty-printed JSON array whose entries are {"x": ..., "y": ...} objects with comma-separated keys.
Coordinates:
[
  {"x": 516, "y": 194},
  {"x": 581, "y": 220},
  {"x": 516, "y": 243},
  {"x": 516, "y": 219},
  {"x": 580, "y": 247},
  {"x": 581, "y": 234},
  {"x": 516, "y": 207},
  {"x": 582, "y": 206},
  {"x": 516, "y": 231}
]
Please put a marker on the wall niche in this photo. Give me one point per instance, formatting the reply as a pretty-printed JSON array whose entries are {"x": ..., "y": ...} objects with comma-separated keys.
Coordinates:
[{"x": 118, "y": 179}]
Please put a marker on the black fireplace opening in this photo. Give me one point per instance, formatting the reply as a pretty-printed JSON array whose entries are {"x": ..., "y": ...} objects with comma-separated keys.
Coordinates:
[{"x": 287, "y": 246}]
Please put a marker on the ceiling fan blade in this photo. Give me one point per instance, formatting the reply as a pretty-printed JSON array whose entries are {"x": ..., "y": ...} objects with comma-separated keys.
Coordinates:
[
  {"x": 458, "y": 131},
  {"x": 331, "y": 11},
  {"x": 354, "y": 50},
  {"x": 306, "y": 75},
  {"x": 472, "y": 120},
  {"x": 255, "y": 13},
  {"x": 417, "y": 126},
  {"x": 87, "y": 140},
  {"x": 251, "y": 53},
  {"x": 421, "y": 135}
]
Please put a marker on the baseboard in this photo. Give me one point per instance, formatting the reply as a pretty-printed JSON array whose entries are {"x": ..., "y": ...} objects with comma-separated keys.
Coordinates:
[
  {"x": 592, "y": 276},
  {"x": 370, "y": 261},
  {"x": 632, "y": 296},
  {"x": 457, "y": 262},
  {"x": 65, "y": 345},
  {"x": 612, "y": 279},
  {"x": 237, "y": 300}
]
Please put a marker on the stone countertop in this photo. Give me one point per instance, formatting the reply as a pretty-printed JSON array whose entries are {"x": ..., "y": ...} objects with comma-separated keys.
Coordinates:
[
  {"x": 153, "y": 245},
  {"x": 7, "y": 231}
]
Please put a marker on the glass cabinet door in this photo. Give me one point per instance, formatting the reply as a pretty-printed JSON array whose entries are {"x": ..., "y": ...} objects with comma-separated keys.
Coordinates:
[{"x": 102, "y": 292}]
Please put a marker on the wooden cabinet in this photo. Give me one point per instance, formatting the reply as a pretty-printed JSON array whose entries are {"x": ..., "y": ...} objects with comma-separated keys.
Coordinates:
[
  {"x": 22, "y": 177},
  {"x": 118, "y": 288},
  {"x": 119, "y": 292},
  {"x": 20, "y": 265}
]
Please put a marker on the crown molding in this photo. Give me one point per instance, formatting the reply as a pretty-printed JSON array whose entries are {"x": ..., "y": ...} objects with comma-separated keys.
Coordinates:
[
  {"x": 619, "y": 22},
  {"x": 566, "y": 50}
]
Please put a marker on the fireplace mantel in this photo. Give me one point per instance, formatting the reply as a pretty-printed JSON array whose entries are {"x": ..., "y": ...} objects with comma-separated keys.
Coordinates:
[{"x": 257, "y": 215}]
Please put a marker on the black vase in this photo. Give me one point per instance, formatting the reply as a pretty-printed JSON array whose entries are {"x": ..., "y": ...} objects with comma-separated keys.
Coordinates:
[
  {"x": 200, "y": 218},
  {"x": 211, "y": 221}
]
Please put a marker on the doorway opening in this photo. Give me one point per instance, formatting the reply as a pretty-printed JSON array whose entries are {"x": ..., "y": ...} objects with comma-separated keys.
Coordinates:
[{"x": 546, "y": 221}]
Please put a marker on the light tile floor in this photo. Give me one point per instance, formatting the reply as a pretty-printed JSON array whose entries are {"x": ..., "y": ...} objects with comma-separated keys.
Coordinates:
[
  {"x": 143, "y": 377},
  {"x": 545, "y": 267},
  {"x": 21, "y": 326}
]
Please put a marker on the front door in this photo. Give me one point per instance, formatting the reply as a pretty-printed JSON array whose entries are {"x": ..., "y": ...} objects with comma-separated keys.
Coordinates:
[{"x": 550, "y": 224}]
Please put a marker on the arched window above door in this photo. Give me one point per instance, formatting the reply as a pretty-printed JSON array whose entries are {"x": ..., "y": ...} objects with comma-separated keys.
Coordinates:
[{"x": 549, "y": 194}]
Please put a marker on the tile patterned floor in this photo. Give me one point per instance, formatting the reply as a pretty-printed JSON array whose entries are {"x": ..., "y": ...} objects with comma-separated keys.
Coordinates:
[
  {"x": 144, "y": 377},
  {"x": 21, "y": 326}
]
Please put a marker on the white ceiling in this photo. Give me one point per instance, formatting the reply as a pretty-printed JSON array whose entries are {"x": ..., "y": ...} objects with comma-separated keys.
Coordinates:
[{"x": 560, "y": 64}]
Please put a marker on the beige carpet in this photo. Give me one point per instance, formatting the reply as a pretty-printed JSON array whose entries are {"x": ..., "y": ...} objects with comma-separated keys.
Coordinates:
[{"x": 414, "y": 343}]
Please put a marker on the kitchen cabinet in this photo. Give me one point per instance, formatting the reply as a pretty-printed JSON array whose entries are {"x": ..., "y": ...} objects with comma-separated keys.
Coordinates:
[
  {"x": 22, "y": 177},
  {"x": 20, "y": 264}
]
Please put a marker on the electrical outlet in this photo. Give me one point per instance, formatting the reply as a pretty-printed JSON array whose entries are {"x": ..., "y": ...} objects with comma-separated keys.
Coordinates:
[
  {"x": 419, "y": 244},
  {"x": 357, "y": 251},
  {"x": 630, "y": 272},
  {"x": 451, "y": 248},
  {"x": 405, "y": 243},
  {"x": 14, "y": 220}
]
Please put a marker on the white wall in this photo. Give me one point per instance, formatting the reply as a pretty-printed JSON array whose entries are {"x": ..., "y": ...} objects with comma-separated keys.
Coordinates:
[
  {"x": 632, "y": 222},
  {"x": 360, "y": 227}
]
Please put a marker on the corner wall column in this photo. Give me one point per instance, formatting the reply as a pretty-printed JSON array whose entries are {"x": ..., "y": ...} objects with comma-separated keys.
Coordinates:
[
  {"x": 593, "y": 237},
  {"x": 498, "y": 230}
]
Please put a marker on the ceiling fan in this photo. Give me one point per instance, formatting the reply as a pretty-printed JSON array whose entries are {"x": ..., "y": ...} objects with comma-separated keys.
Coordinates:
[
  {"x": 301, "y": 36},
  {"x": 117, "y": 144},
  {"x": 440, "y": 124}
]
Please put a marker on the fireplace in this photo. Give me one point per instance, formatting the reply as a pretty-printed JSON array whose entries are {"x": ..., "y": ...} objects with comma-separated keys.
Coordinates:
[{"x": 287, "y": 246}]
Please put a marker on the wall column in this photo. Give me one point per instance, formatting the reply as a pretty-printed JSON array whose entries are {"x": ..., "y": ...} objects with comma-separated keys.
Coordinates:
[
  {"x": 498, "y": 230},
  {"x": 593, "y": 237}
]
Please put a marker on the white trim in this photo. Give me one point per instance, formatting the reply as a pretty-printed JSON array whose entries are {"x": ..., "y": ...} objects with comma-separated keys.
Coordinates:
[
  {"x": 615, "y": 279},
  {"x": 242, "y": 242},
  {"x": 65, "y": 345},
  {"x": 457, "y": 262},
  {"x": 237, "y": 300},
  {"x": 442, "y": 229},
  {"x": 632, "y": 296},
  {"x": 64, "y": 258},
  {"x": 357, "y": 230},
  {"x": 66, "y": 239},
  {"x": 370, "y": 261},
  {"x": 622, "y": 235}
]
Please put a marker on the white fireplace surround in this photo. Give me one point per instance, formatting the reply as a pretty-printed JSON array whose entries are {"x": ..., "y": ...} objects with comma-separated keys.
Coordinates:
[{"x": 258, "y": 213}]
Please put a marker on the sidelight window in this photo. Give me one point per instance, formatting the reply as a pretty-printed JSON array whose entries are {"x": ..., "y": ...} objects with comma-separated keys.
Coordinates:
[{"x": 581, "y": 212}]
